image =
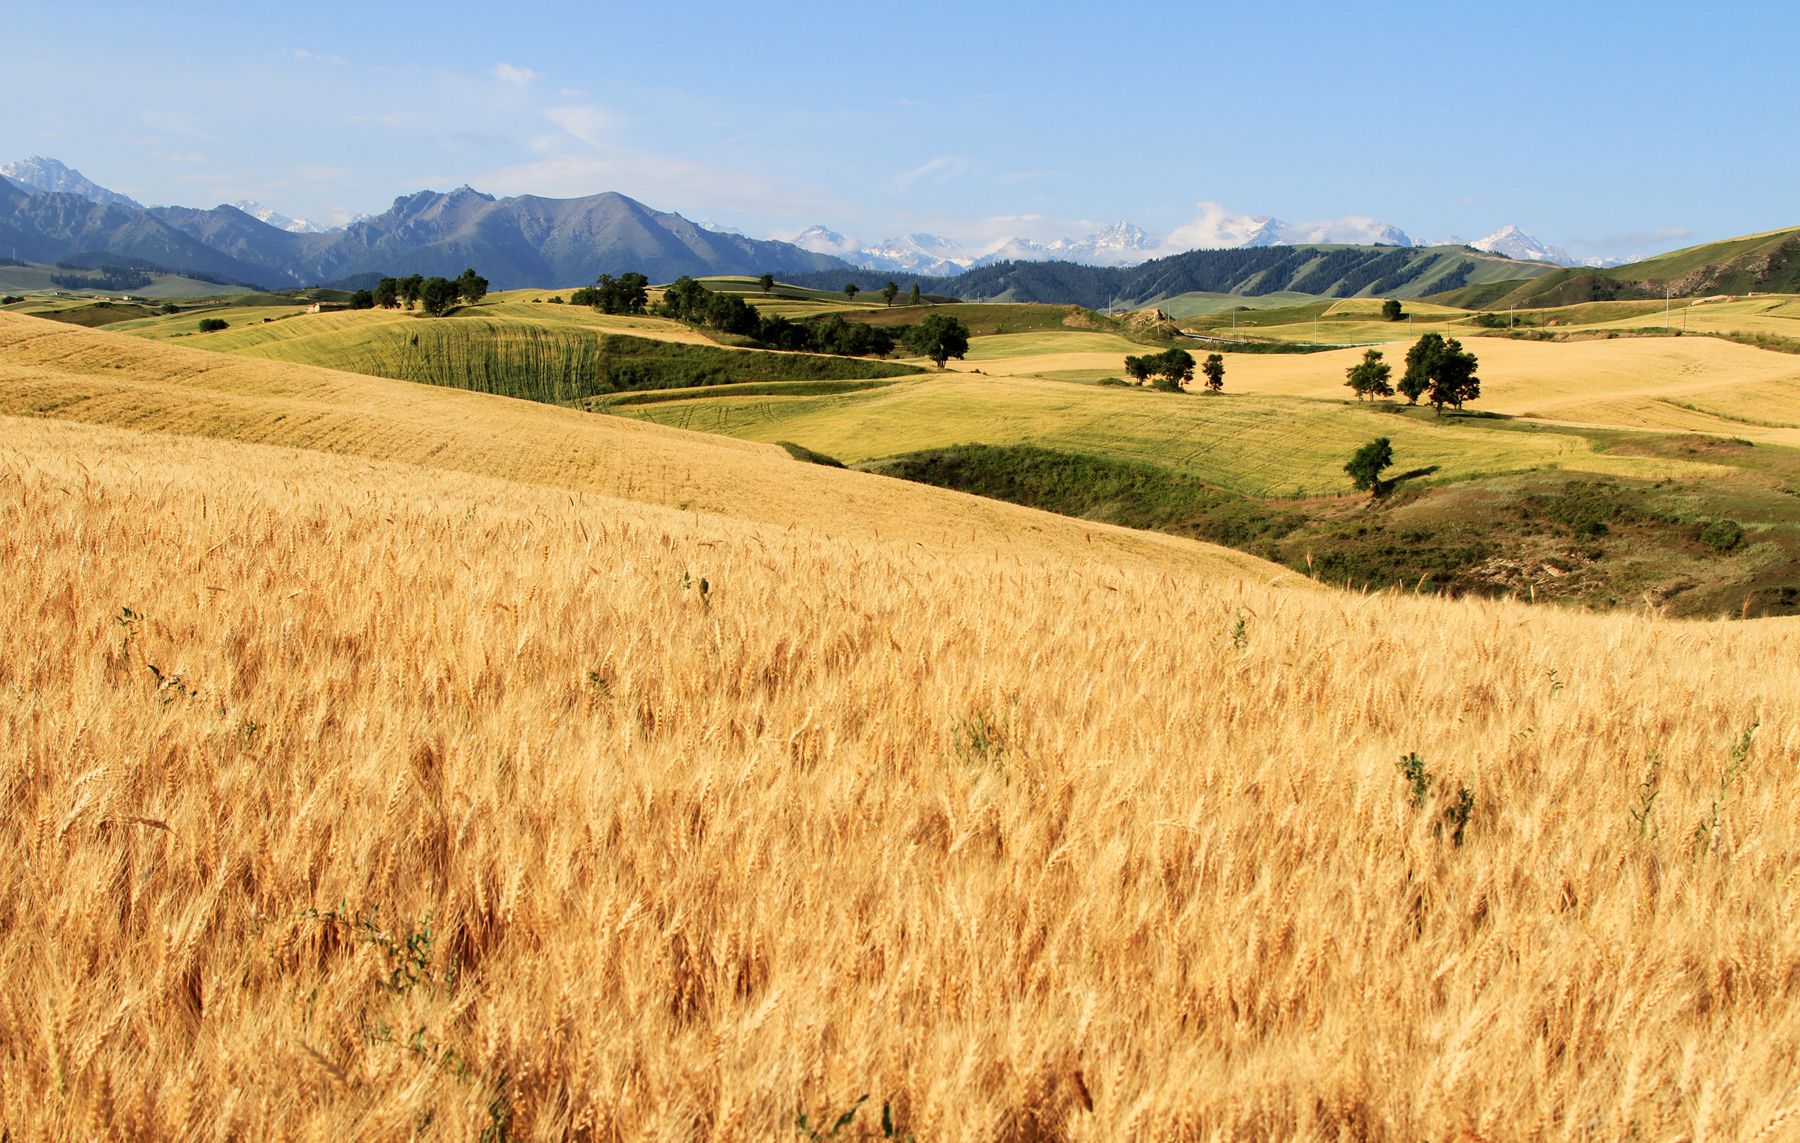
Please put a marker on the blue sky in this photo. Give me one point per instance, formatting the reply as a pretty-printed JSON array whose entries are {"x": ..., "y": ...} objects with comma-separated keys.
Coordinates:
[{"x": 1606, "y": 128}]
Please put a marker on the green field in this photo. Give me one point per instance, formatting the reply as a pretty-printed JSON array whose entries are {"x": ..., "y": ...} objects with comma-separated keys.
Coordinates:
[
  {"x": 1260, "y": 446},
  {"x": 36, "y": 279},
  {"x": 531, "y": 350}
]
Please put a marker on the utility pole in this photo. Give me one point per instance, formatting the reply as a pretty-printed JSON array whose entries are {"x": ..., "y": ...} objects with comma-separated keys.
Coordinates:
[
  {"x": 1509, "y": 315},
  {"x": 1668, "y": 292}
]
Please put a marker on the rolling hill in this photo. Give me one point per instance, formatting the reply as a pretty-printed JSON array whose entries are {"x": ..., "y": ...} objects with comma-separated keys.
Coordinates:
[
  {"x": 1756, "y": 263},
  {"x": 1325, "y": 271},
  {"x": 393, "y": 761}
]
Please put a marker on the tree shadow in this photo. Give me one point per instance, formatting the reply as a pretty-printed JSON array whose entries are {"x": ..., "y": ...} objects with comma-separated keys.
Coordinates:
[{"x": 1383, "y": 487}]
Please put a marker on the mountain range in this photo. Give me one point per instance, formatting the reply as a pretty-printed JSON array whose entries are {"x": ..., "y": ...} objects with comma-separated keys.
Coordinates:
[
  {"x": 51, "y": 212},
  {"x": 519, "y": 241}
]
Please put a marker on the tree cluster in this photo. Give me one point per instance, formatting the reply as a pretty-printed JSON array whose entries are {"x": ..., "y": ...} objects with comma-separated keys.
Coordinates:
[
  {"x": 436, "y": 296},
  {"x": 1441, "y": 371},
  {"x": 629, "y": 293},
  {"x": 1175, "y": 367},
  {"x": 687, "y": 300}
]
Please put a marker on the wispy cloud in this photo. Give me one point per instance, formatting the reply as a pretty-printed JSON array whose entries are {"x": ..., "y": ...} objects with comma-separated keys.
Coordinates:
[
  {"x": 936, "y": 170},
  {"x": 305, "y": 56},
  {"x": 587, "y": 122},
  {"x": 1636, "y": 242},
  {"x": 520, "y": 76},
  {"x": 664, "y": 181},
  {"x": 177, "y": 123}
]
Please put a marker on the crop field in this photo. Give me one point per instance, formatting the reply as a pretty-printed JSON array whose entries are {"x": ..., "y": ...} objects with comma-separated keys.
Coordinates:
[
  {"x": 1259, "y": 446},
  {"x": 533, "y": 351},
  {"x": 447, "y": 765}
]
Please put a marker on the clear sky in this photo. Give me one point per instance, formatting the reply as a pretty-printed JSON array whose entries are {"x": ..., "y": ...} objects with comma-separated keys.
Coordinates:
[{"x": 1607, "y": 128}]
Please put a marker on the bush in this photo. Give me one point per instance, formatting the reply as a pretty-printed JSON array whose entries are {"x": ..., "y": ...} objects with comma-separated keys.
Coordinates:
[
  {"x": 213, "y": 325},
  {"x": 1722, "y": 535}
]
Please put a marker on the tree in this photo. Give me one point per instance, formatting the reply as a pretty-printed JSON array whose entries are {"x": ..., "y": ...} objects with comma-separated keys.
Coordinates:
[
  {"x": 213, "y": 325},
  {"x": 1214, "y": 368},
  {"x": 411, "y": 287},
  {"x": 438, "y": 296},
  {"x": 471, "y": 287},
  {"x": 1139, "y": 368},
  {"x": 1391, "y": 311},
  {"x": 939, "y": 337},
  {"x": 629, "y": 293},
  {"x": 1454, "y": 380},
  {"x": 1176, "y": 366},
  {"x": 889, "y": 292},
  {"x": 767, "y": 282},
  {"x": 1366, "y": 465},
  {"x": 362, "y": 300},
  {"x": 1421, "y": 364},
  {"x": 387, "y": 294},
  {"x": 851, "y": 290},
  {"x": 1369, "y": 378},
  {"x": 915, "y": 295}
]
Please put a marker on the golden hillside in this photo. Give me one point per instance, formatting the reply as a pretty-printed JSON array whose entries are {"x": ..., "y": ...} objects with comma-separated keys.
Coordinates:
[{"x": 441, "y": 775}]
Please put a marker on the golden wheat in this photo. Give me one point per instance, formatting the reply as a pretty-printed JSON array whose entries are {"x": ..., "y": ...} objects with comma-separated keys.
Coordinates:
[{"x": 346, "y": 798}]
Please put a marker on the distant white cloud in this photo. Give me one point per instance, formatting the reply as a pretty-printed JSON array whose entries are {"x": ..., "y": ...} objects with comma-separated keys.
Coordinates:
[
  {"x": 587, "y": 122},
  {"x": 1216, "y": 228},
  {"x": 507, "y": 73},
  {"x": 305, "y": 56}
]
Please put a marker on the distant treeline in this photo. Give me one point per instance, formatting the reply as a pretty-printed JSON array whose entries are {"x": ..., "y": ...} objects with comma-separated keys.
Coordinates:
[
  {"x": 119, "y": 273},
  {"x": 1328, "y": 271}
]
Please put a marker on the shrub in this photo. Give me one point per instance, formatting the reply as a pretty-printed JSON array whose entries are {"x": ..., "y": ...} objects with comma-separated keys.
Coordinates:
[
  {"x": 213, "y": 325},
  {"x": 1722, "y": 535}
]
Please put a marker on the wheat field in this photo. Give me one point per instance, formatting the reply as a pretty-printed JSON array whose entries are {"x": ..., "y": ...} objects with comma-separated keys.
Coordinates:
[{"x": 421, "y": 783}]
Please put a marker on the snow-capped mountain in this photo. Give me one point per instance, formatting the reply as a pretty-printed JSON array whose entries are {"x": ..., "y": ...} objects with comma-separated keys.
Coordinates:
[
  {"x": 41, "y": 174},
  {"x": 1512, "y": 242},
  {"x": 911, "y": 254},
  {"x": 279, "y": 220},
  {"x": 1216, "y": 228},
  {"x": 1120, "y": 244}
]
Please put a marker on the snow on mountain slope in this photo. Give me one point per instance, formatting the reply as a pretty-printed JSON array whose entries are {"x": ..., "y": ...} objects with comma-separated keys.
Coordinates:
[{"x": 277, "y": 219}]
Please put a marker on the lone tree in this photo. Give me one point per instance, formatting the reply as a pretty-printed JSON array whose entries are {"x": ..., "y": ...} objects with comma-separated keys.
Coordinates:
[
  {"x": 915, "y": 295},
  {"x": 939, "y": 337},
  {"x": 1214, "y": 368},
  {"x": 889, "y": 292},
  {"x": 850, "y": 290},
  {"x": 1369, "y": 378},
  {"x": 1391, "y": 311},
  {"x": 767, "y": 282},
  {"x": 1440, "y": 371},
  {"x": 1367, "y": 463}
]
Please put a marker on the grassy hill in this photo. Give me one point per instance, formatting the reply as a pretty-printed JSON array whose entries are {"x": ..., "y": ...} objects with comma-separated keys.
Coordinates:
[
  {"x": 362, "y": 732},
  {"x": 39, "y": 278},
  {"x": 1493, "y": 503},
  {"x": 512, "y": 347},
  {"x": 1757, "y": 263}
]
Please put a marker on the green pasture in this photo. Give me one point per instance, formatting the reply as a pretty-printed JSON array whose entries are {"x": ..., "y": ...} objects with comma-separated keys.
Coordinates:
[{"x": 1268, "y": 446}]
